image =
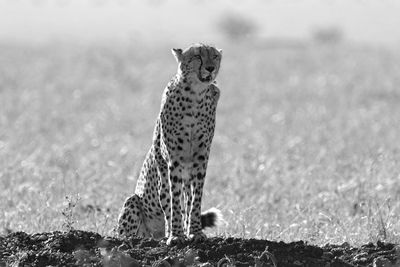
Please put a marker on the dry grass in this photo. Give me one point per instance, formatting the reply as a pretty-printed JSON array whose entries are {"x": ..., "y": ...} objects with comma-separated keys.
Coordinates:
[{"x": 306, "y": 144}]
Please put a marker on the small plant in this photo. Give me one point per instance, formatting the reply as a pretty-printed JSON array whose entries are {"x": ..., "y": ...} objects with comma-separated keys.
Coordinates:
[
  {"x": 382, "y": 216},
  {"x": 68, "y": 211}
]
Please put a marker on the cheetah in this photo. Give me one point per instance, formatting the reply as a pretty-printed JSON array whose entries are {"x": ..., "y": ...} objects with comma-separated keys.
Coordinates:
[{"x": 167, "y": 199}]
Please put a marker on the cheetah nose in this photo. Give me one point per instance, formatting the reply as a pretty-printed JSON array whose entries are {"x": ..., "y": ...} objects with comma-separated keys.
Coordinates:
[{"x": 210, "y": 69}]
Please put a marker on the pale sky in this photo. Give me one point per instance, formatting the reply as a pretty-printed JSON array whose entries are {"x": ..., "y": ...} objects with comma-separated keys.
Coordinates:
[{"x": 193, "y": 20}]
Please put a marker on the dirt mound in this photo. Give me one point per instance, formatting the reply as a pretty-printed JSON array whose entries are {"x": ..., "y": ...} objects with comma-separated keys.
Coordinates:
[{"x": 79, "y": 248}]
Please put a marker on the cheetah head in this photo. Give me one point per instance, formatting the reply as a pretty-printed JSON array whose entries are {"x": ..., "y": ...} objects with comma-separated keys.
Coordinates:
[{"x": 198, "y": 63}]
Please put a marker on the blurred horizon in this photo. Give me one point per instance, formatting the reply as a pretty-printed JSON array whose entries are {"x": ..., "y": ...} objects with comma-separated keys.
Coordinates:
[{"x": 44, "y": 21}]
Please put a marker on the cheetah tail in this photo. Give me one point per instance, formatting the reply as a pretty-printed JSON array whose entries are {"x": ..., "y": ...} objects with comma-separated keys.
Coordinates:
[{"x": 211, "y": 218}]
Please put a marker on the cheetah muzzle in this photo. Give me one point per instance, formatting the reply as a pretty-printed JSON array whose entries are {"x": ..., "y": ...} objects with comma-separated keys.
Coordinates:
[{"x": 167, "y": 199}]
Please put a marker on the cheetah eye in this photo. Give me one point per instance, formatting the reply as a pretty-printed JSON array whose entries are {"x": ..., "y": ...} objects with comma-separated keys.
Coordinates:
[
  {"x": 215, "y": 57},
  {"x": 197, "y": 56}
]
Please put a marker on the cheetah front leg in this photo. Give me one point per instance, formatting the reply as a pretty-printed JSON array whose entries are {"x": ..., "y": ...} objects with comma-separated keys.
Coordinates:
[
  {"x": 175, "y": 221},
  {"x": 195, "y": 230},
  {"x": 186, "y": 202},
  {"x": 164, "y": 197}
]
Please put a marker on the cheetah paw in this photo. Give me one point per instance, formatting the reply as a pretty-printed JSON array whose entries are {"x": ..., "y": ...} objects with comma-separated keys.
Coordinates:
[
  {"x": 175, "y": 240},
  {"x": 199, "y": 237}
]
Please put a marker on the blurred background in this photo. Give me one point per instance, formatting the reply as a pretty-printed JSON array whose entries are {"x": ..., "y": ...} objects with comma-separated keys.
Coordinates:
[
  {"x": 38, "y": 21},
  {"x": 306, "y": 143}
]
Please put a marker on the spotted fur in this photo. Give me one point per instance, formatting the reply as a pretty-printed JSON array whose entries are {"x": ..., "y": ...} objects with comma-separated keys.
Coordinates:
[{"x": 167, "y": 199}]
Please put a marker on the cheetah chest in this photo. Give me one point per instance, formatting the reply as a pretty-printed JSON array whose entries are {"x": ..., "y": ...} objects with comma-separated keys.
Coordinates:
[
  {"x": 195, "y": 129},
  {"x": 196, "y": 138},
  {"x": 192, "y": 124}
]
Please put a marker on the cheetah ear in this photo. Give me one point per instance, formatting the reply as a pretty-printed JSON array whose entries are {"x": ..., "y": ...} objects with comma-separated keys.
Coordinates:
[
  {"x": 178, "y": 53},
  {"x": 220, "y": 51}
]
